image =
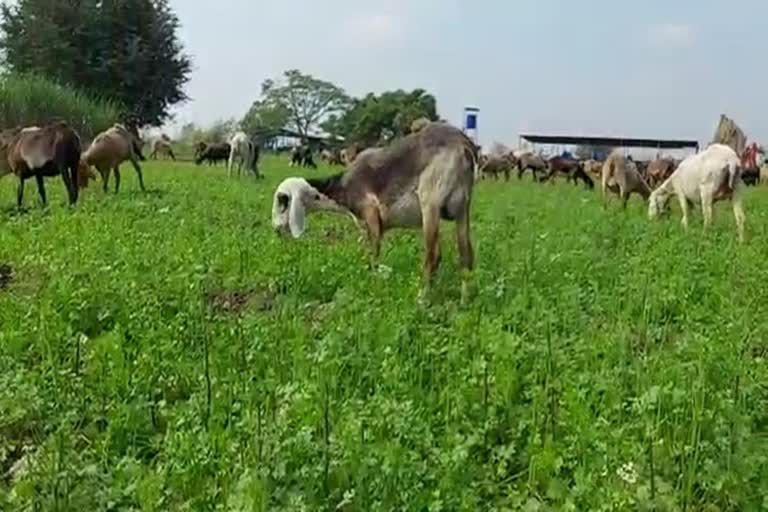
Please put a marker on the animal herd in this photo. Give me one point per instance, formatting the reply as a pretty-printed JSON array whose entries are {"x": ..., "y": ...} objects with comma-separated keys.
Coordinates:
[
  {"x": 712, "y": 175},
  {"x": 429, "y": 176},
  {"x": 415, "y": 182}
]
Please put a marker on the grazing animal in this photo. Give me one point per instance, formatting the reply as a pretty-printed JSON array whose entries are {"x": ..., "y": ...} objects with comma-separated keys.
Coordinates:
[
  {"x": 533, "y": 163},
  {"x": 349, "y": 154},
  {"x": 49, "y": 151},
  {"x": 659, "y": 170},
  {"x": 415, "y": 182},
  {"x": 162, "y": 146},
  {"x": 571, "y": 168},
  {"x": 334, "y": 158},
  {"x": 213, "y": 153},
  {"x": 593, "y": 167},
  {"x": 243, "y": 153},
  {"x": 620, "y": 176},
  {"x": 704, "y": 178},
  {"x": 111, "y": 148},
  {"x": 301, "y": 156},
  {"x": 496, "y": 165}
]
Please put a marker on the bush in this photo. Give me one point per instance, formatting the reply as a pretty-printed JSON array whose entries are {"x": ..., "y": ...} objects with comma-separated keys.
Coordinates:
[{"x": 27, "y": 100}]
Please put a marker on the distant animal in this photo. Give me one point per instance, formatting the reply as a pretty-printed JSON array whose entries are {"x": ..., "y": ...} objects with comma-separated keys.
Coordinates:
[
  {"x": 349, "y": 154},
  {"x": 332, "y": 157},
  {"x": 213, "y": 153},
  {"x": 243, "y": 153},
  {"x": 764, "y": 173},
  {"x": 593, "y": 167},
  {"x": 704, "y": 178},
  {"x": 111, "y": 148},
  {"x": 162, "y": 146},
  {"x": 41, "y": 152},
  {"x": 621, "y": 177},
  {"x": 750, "y": 177},
  {"x": 301, "y": 156},
  {"x": 659, "y": 170},
  {"x": 496, "y": 165},
  {"x": 415, "y": 182},
  {"x": 571, "y": 168},
  {"x": 199, "y": 148},
  {"x": 531, "y": 162}
]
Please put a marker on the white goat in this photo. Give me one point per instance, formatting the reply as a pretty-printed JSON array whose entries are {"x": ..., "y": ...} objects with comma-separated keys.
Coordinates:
[
  {"x": 243, "y": 153},
  {"x": 707, "y": 177}
]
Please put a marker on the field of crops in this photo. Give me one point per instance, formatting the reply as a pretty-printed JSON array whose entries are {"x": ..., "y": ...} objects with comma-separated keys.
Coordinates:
[{"x": 166, "y": 351}]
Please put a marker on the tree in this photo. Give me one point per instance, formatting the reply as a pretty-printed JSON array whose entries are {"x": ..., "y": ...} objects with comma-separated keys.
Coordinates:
[
  {"x": 265, "y": 119},
  {"x": 379, "y": 119},
  {"x": 124, "y": 50},
  {"x": 303, "y": 99}
]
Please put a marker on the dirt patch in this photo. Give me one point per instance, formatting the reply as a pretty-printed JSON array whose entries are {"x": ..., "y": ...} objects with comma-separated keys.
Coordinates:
[
  {"x": 6, "y": 275},
  {"x": 235, "y": 302}
]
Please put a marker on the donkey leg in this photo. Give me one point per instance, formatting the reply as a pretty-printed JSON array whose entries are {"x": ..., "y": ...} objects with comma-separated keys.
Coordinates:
[
  {"x": 20, "y": 193},
  {"x": 373, "y": 225},
  {"x": 466, "y": 252},
  {"x": 41, "y": 188},
  {"x": 137, "y": 167},
  {"x": 116, "y": 170},
  {"x": 431, "y": 227}
]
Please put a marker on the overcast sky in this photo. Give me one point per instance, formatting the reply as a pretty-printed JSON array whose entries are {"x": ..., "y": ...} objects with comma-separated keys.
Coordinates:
[{"x": 593, "y": 67}]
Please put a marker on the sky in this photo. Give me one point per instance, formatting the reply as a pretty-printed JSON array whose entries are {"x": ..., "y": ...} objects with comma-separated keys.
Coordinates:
[{"x": 664, "y": 69}]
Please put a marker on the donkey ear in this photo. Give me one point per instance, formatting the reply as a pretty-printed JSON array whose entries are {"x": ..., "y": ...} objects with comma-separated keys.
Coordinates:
[{"x": 296, "y": 216}]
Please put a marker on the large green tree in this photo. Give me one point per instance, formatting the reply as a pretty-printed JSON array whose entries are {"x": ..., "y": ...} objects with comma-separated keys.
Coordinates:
[
  {"x": 125, "y": 50},
  {"x": 265, "y": 119},
  {"x": 377, "y": 119},
  {"x": 297, "y": 101}
]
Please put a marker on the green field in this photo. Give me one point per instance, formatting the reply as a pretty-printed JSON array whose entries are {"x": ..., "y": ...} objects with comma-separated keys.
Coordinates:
[{"x": 166, "y": 351}]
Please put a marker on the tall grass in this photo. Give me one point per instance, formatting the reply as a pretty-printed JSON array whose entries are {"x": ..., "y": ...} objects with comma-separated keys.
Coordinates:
[
  {"x": 31, "y": 100},
  {"x": 604, "y": 364}
]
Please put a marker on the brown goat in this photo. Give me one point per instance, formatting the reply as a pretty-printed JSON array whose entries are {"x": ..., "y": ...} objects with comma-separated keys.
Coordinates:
[
  {"x": 533, "y": 163},
  {"x": 162, "y": 146},
  {"x": 659, "y": 170},
  {"x": 496, "y": 165},
  {"x": 415, "y": 182},
  {"x": 620, "y": 176},
  {"x": 111, "y": 148},
  {"x": 41, "y": 152}
]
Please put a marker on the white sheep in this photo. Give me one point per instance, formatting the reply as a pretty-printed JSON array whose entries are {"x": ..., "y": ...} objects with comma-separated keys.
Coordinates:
[
  {"x": 705, "y": 178},
  {"x": 243, "y": 152}
]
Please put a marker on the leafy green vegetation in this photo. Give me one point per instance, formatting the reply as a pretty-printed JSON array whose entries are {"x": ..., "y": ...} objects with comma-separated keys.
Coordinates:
[
  {"x": 166, "y": 351},
  {"x": 27, "y": 100}
]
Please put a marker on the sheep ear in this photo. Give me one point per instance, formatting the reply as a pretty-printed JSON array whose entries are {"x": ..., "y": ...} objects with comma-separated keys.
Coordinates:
[{"x": 296, "y": 216}]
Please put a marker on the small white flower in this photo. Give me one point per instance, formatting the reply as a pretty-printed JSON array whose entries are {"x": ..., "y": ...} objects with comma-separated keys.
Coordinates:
[{"x": 628, "y": 473}]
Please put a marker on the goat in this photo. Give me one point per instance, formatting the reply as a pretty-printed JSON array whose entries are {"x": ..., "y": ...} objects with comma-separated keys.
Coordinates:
[
  {"x": 534, "y": 163},
  {"x": 572, "y": 169},
  {"x": 413, "y": 183},
  {"x": 213, "y": 153},
  {"x": 496, "y": 165},
  {"x": 301, "y": 156},
  {"x": 704, "y": 178},
  {"x": 593, "y": 167},
  {"x": 111, "y": 148},
  {"x": 349, "y": 154},
  {"x": 162, "y": 145},
  {"x": 41, "y": 152},
  {"x": 244, "y": 153},
  {"x": 620, "y": 176},
  {"x": 659, "y": 170}
]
